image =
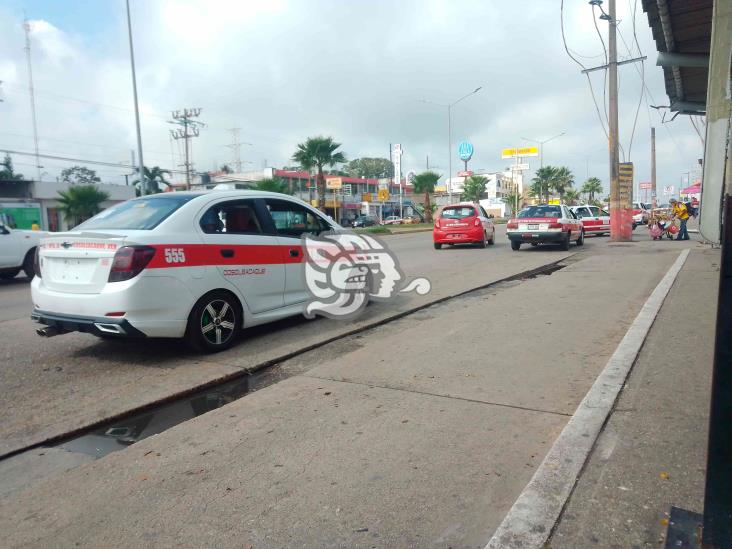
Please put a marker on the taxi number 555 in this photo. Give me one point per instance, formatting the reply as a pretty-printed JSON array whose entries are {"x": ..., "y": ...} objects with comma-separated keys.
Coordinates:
[{"x": 175, "y": 255}]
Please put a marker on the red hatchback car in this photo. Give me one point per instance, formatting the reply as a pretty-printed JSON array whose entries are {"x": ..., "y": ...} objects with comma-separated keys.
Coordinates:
[{"x": 463, "y": 224}]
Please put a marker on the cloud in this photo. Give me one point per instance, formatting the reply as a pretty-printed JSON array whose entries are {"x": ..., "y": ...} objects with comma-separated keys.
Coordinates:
[{"x": 285, "y": 70}]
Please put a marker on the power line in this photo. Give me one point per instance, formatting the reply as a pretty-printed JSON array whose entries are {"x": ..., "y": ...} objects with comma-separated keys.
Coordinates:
[{"x": 189, "y": 129}]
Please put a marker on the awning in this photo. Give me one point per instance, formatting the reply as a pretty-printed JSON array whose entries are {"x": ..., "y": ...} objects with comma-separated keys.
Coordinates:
[{"x": 694, "y": 189}]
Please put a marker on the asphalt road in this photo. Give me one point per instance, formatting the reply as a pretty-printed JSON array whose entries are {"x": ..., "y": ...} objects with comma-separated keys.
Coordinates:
[{"x": 74, "y": 380}]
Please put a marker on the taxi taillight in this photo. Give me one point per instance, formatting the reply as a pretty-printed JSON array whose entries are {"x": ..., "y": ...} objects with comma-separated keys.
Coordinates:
[
  {"x": 477, "y": 222},
  {"x": 513, "y": 224},
  {"x": 37, "y": 262},
  {"x": 555, "y": 225},
  {"x": 129, "y": 261}
]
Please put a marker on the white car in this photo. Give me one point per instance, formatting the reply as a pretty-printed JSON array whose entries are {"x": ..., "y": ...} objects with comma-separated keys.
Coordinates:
[
  {"x": 641, "y": 213},
  {"x": 545, "y": 224},
  {"x": 393, "y": 220},
  {"x": 199, "y": 265},
  {"x": 594, "y": 220},
  {"x": 17, "y": 249}
]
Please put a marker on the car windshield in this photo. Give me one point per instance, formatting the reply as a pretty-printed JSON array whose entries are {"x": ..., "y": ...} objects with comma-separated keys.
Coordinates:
[
  {"x": 458, "y": 213},
  {"x": 550, "y": 212},
  {"x": 140, "y": 213}
]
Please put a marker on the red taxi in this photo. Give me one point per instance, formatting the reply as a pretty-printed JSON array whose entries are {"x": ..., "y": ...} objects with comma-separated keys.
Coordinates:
[
  {"x": 463, "y": 224},
  {"x": 594, "y": 220},
  {"x": 545, "y": 224}
]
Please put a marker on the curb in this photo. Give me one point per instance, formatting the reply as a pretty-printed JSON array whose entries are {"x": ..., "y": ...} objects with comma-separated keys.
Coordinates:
[{"x": 533, "y": 516}]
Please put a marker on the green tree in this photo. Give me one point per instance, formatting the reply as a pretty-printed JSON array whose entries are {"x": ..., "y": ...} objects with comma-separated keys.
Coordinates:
[
  {"x": 425, "y": 183},
  {"x": 572, "y": 197},
  {"x": 513, "y": 200},
  {"x": 591, "y": 187},
  {"x": 317, "y": 152},
  {"x": 543, "y": 182},
  {"x": 226, "y": 169},
  {"x": 273, "y": 185},
  {"x": 563, "y": 181},
  {"x": 79, "y": 175},
  {"x": 474, "y": 188},
  {"x": 7, "y": 173},
  {"x": 154, "y": 178},
  {"x": 370, "y": 168},
  {"x": 80, "y": 202}
]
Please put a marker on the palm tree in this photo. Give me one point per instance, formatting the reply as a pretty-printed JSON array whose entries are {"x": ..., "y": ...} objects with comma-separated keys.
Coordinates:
[
  {"x": 80, "y": 202},
  {"x": 571, "y": 197},
  {"x": 317, "y": 152},
  {"x": 425, "y": 183},
  {"x": 274, "y": 185},
  {"x": 474, "y": 188},
  {"x": 153, "y": 178},
  {"x": 591, "y": 187},
  {"x": 543, "y": 181},
  {"x": 563, "y": 181}
]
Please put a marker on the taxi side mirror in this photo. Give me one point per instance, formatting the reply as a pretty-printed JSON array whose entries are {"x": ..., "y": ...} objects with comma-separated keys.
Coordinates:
[{"x": 4, "y": 230}]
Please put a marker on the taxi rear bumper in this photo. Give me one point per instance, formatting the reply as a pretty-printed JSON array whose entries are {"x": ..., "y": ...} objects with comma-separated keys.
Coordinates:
[{"x": 538, "y": 237}]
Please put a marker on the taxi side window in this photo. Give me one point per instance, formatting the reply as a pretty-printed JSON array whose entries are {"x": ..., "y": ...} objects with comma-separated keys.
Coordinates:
[
  {"x": 595, "y": 211},
  {"x": 482, "y": 211},
  {"x": 294, "y": 220},
  {"x": 233, "y": 217}
]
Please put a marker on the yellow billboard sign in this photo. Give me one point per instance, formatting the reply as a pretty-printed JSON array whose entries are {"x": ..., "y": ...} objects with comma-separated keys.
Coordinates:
[
  {"x": 366, "y": 197},
  {"x": 520, "y": 151},
  {"x": 334, "y": 183},
  {"x": 383, "y": 195},
  {"x": 440, "y": 188}
]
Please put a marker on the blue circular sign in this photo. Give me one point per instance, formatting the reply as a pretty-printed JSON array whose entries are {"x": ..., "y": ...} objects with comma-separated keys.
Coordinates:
[{"x": 465, "y": 150}]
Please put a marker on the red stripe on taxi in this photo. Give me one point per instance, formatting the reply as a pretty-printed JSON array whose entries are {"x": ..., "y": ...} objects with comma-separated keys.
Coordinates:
[{"x": 198, "y": 255}]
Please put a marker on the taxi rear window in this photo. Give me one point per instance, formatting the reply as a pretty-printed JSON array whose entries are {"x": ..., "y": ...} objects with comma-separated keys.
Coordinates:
[
  {"x": 458, "y": 213},
  {"x": 140, "y": 213},
  {"x": 550, "y": 212}
]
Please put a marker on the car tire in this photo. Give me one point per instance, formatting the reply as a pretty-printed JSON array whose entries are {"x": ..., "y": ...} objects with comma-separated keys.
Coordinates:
[
  {"x": 483, "y": 243},
  {"x": 438, "y": 246},
  {"x": 581, "y": 239},
  {"x": 493, "y": 238},
  {"x": 565, "y": 243},
  {"x": 214, "y": 322},
  {"x": 515, "y": 245},
  {"x": 28, "y": 266},
  {"x": 9, "y": 275},
  {"x": 534, "y": 244}
]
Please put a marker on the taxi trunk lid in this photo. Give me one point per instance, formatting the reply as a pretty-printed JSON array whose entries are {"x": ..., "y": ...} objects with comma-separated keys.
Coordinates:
[{"x": 78, "y": 262}]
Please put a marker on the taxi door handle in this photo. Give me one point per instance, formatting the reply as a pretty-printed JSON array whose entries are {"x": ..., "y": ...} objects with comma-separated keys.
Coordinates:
[
  {"x": 294, "y": 253},
  {"x": 225, "y": 252}
]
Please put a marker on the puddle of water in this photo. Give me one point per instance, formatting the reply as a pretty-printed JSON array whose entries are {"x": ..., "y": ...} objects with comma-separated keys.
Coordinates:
[{"x": 118, "y": 435}]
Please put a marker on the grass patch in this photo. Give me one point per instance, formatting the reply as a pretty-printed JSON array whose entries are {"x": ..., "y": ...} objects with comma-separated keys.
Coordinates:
[{"x": 378, "y": 229}]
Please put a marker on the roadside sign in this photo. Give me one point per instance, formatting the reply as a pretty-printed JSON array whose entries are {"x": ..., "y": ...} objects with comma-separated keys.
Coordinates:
[
  {"x": 465, "y": 150},
  {"x": 465, "y": 174},
  {"x": 554, "y": 201},
  {"x": 625, "y": 182},
  {"x": 440, "y": 188},
  {"x": 521, "y": 151},
  {"x": 366, "y": 197},
  {"x": 668, "y": 190},
  {"x": 346, "y": 188},
  {"x": 645, "y": 186},
  {"x": 334, "y": 183},
  {"x": 519, "y": 167},
  {"x": 383, "y": 195}
]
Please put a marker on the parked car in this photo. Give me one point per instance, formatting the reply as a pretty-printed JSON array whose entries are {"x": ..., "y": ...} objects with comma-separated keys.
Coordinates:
[
  {"x": 545, "y": 224},
  {"x": 17, "y": 250},
  {"x": 641, "y": 213},
  {"x": 594, "y": 220},
  {"x": 463, "y": 224},
  {"x": 392, "y": 220},
  {"x": 193, "y": 265},
  {"x": 364, "y": 221}
]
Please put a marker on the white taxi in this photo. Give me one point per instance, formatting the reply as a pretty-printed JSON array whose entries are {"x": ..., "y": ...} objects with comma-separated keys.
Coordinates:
[
  {"x": 545, "y": 224},
  {"x": 199, "y": 265},
  {"x": 594, "y": 220}
]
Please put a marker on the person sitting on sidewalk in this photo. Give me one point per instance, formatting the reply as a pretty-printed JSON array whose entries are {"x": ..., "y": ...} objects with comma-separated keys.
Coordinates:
[{"x": 680, "y": 213}]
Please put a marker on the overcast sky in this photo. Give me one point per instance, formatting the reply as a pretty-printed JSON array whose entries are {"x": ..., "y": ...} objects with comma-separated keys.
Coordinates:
[{"x": 356, "y": 70}]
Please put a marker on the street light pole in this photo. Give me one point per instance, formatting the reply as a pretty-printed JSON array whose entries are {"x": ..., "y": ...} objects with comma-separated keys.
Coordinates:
[
  {"x": 141, "y": 169},
  {"x": 541, "y": 146},
  {"x": 449, "y": 136}
]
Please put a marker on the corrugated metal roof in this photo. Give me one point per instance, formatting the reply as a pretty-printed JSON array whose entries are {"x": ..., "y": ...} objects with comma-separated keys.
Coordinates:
[{"x": 689, "y": 28}]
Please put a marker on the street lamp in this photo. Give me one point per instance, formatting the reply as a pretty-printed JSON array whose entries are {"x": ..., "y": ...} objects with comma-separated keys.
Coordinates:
[
  {"x": 449, "y": 135},
  {"x": 141, "y": 168},
  {"x": 541, "y": 146}
]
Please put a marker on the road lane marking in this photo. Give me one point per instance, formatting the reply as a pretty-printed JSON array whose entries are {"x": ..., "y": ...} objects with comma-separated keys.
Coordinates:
[{"x": 530, "y": 521}]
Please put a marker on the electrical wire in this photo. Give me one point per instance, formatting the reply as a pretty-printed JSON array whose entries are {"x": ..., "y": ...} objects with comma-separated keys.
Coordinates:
[{"x": 604, "y": 49}]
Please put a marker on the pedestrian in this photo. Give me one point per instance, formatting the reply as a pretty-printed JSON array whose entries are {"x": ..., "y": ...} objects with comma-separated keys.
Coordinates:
[
  {"x": 35, "y": 226},
  {"x": 680, "y": 213}
]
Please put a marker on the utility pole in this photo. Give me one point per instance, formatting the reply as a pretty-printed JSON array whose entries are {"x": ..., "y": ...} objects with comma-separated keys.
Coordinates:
[
  {"x": 616, "y": 232},
  {"x": 235, "y": 146},
  {"x": 189, "y": 129},
  {"x": 653, "y": 167},
  {"x": 31, "y": 90},
  {"x": 141, "y": 168}
]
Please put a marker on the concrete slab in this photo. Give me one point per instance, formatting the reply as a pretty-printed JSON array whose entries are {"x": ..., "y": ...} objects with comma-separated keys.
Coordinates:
[
  {"x": 28, "y": 468},
  {"x": 652, "y": 452},
  {"x": 308, "y": 463}
]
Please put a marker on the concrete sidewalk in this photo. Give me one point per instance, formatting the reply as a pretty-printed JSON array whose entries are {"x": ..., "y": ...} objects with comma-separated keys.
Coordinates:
[
  {"x": 418, "y": 433},
  {"x": 652, "y": 452}
]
